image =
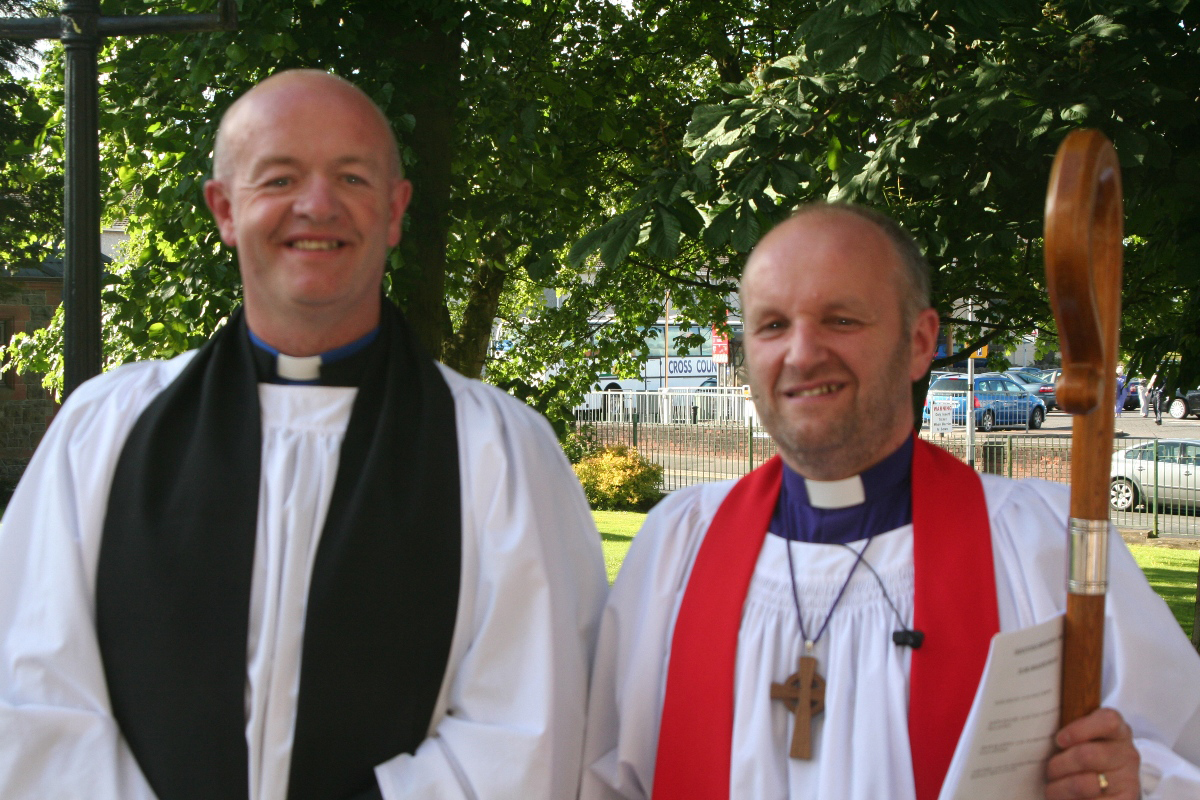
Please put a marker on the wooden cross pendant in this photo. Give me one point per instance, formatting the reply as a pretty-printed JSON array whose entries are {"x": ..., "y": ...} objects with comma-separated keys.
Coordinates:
[{"x": 804, "y": 693}]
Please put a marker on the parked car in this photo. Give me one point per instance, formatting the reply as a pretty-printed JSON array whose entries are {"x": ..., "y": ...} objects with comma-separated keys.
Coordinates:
[
  {"x": 1033, "y": 383},
  {"x": 1178, "y": 470},
  {"x": 1026, "y": 373},
  {"x": 1185, "y": 404},
  {"x": 1000, "y": 402}
]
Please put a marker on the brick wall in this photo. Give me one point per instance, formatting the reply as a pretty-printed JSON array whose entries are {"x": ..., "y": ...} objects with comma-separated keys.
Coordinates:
[{"x": 25, "y": 407}]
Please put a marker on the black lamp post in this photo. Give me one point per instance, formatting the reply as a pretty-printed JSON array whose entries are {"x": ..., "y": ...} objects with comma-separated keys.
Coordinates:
[{"x": 81, "y": 29}]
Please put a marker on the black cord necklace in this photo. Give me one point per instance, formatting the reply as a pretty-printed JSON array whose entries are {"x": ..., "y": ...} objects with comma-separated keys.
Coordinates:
[
  {"x": 905, "y": 637},
  {"x": 809, "y": 644},
  {"x": 804, "y": 691}
]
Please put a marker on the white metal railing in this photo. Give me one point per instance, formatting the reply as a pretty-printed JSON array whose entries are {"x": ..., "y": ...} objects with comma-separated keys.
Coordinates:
[{"x": 696, "y": 404}]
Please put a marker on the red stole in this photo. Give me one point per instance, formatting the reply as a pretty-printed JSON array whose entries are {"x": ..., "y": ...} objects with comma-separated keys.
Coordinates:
[{"x": 955, "y": 606}]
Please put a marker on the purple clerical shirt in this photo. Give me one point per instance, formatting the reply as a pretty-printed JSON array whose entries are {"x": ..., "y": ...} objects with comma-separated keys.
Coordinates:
[{"x": 887, "y": 488}]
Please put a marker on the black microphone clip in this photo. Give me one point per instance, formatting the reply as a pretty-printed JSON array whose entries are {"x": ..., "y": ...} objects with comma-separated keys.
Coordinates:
[{"x": 908, "y": 638}]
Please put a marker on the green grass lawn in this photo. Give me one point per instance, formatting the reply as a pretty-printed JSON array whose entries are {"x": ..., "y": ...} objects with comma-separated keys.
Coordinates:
[
  {"x": 616, "y": 532},
  {"x": 1172, "y": 573}
]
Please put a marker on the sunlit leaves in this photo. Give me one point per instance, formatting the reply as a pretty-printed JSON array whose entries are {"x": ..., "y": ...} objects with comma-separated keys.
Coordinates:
[{"x": 947, "y": 116}]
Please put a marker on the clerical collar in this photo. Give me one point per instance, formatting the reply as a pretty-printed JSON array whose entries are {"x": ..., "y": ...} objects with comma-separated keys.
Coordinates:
[
  {"x": 341, "y": 366},
  {"x": 836, "y": 512}
]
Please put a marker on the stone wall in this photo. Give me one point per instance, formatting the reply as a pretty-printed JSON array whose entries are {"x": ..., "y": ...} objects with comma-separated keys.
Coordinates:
[{"x": 25, "y": 407}]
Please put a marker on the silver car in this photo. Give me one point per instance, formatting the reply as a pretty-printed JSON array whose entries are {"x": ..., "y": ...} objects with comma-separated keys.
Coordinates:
[
  {"x": 1178, "y": 469},
  {"x": 1032, "y": 382}
]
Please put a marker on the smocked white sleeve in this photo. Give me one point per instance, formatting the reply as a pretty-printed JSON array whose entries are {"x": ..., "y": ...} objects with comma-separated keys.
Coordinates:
[
  {"x": 509, "y": 722},
  {"x": 57, "y": 734},
  {"x": 630, "y": 673}
]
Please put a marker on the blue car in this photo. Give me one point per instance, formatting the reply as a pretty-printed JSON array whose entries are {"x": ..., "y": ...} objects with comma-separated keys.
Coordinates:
[{"x": 1000, "y": 402}]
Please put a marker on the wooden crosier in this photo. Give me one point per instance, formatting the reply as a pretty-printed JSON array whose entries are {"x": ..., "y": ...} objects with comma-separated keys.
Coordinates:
[{"x": 1084, "y": 226}]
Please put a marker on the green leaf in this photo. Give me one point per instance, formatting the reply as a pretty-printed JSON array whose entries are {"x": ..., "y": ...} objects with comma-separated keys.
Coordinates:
[
  {"x": 1102, "y": 28},
  {"x": 1043, "y": 124},
  {"x": 624, "y": 236},
  {"x": 879, "y": 57},
  {"x": 742, "y": 89},
  {"x": 909, "y": 37},
  {"x": 663, "y": 241},
  {"x": 839, "y": 51},
  {"x": 691, "y": 222},
  {"x": 718, "y": 232},
  {"x": 791, "y": 63},
  {"x": 834, "y": 155},
  {"x": 981, "y": 185},
  {"x": 236, "y": 53},
  {"x": 704, "y": 119},
  {"x": 771, "y": 74},
  {"x": 127, "y": 176},
  {"x": 754, "y": 181},
  {"x": 745, "y": 234},
  {"x": 542, "y": 268},
  {"x": 1076, "y": 113},
  {"x": 668, "y": 192},
  {"x": 987, "y": 14},
  {"x": 784, "y": 179},
  {"x": 587, "y": 245},
  {"x": 818, "y": 25},
  {"x": 1131, "y": 147},
  {"x": 703, "y": 176}
]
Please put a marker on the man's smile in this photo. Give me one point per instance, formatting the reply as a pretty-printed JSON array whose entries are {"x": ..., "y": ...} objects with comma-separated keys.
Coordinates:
[
  {"x": 814, "y": 391},
  {"x": 315, "y": 244}
]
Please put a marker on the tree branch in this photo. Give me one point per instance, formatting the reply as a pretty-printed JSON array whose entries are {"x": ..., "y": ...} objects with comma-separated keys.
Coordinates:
[{"x": 662, "y": 273}]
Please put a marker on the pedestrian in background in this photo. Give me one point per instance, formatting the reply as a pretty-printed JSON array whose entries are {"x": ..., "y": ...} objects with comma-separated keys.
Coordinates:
[
  {"x": 1122, "y": 389},
  {"x": 1144, "y": 391}
]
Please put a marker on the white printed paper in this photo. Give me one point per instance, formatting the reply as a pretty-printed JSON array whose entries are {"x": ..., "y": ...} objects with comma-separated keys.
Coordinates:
[
  {"x": 941, "y": 416},
  {"x": 1009, "y": 735}
]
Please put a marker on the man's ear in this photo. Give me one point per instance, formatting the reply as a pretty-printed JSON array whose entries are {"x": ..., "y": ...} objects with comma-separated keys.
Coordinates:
[
  {"x": 216, "y": 197},
  {"x": 397, "y": 203},
  {"x": 924, "y": 343}
]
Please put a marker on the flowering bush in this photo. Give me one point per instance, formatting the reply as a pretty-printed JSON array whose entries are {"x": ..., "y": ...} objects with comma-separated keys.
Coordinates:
[{"x": 619, "y": 479}]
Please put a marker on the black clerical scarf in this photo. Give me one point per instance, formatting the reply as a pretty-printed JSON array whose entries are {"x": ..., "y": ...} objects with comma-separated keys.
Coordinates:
[{"x": 177, "y": 555}]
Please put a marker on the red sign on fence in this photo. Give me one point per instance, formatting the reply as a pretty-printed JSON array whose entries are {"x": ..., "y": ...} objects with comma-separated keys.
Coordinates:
[{"x": 720, "y": 347}]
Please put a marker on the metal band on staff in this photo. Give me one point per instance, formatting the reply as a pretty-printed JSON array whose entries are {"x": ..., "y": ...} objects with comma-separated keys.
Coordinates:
[{"x": 1088, "y": 556}]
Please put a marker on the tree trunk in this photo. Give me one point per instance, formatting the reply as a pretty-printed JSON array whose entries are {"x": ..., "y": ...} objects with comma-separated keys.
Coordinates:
[
  {"x": 432, "y": 53},
  {"x": 1187, "y": 375},
  {"x": 466, "y": 349}
]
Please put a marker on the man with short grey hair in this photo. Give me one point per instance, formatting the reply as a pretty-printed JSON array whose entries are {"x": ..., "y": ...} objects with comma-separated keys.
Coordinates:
[{"x": 818, "y": 629}]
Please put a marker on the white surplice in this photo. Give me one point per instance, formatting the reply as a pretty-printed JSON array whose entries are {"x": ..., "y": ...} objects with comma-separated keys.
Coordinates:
[
  {"x": 509, "y": 718},
  {"x": 861, "y": 742}
]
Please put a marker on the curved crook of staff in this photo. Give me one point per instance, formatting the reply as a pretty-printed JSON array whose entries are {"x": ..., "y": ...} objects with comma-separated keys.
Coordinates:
[{"x": 1084, "y": 221}]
